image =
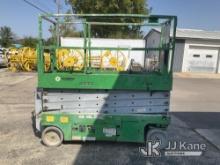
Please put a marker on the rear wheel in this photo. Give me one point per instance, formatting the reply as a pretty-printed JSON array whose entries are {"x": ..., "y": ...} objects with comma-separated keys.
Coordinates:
[
  {"x": 158, "y": 135},
  {"x": 52, "y": 136}
]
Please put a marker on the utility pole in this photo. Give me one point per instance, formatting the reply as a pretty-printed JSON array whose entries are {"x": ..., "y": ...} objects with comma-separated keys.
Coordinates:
[
  {"x": 58, "y": 6},
  {"x": 57, "y": 19}
]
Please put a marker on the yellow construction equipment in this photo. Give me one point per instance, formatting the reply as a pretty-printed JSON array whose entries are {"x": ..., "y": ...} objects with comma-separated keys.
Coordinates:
[
  {"x": 69, "y": 59},
  {"x": 12, "y": 59},
  {"x": 47, "y": 62},
  {"x": 116, "y": 61},
  {"x": 72, "y": 59},
  {"x": 25, "y": 59},
  {"x": 28, "y": 58}
]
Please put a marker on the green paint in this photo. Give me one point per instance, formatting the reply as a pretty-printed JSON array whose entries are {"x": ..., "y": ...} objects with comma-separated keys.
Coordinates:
[
  {"x": 130, "y": 128},
  {"x": 147, "y": 82},
  {"x": 98, "y": 79}
]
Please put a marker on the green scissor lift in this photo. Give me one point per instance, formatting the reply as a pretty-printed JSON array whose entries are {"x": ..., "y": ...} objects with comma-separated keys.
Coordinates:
[{"x": 108, "y": 105}]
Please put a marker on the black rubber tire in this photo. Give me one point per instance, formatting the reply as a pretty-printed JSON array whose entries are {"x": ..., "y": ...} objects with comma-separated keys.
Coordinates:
[
  {"x": 52, "y": 136},
  {"x": 157, "y": 134}
]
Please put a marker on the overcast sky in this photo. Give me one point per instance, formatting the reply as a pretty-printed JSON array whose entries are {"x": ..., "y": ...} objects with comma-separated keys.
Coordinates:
[{"x": 199, "y": 14}]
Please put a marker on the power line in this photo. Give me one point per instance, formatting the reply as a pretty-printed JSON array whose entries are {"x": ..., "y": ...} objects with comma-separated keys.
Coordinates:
[
  {"x": 43, "y": 5},
  {"x": 35, "y": 6}
]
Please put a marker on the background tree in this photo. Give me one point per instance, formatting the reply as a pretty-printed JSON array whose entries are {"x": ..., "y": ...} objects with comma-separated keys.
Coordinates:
[
  {"x": 68, "y": 30},
  {"x": 29, "y": 42},
  {"x": 112, "y": 6},
  {"x": 65, "y": 30},
  {"x": 6, "y": 36}
]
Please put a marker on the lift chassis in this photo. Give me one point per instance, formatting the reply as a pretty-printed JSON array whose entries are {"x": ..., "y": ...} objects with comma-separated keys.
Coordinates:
[{"x": 90, "y": 104}]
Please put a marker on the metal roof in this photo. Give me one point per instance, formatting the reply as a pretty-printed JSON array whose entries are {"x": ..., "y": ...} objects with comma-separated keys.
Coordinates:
[{"x": 196, "y": 34}]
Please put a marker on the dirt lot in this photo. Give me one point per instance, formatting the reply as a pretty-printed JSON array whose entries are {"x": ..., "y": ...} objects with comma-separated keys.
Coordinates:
[{"x": 19, "y": 145}]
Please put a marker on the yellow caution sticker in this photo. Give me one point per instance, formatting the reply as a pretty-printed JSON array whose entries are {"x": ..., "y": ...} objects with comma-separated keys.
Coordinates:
[
  {"x": 50, "y": 118},
  {"x": 64, "y": 119}
]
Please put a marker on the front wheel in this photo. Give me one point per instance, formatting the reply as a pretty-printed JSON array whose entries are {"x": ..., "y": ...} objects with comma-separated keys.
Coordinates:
[
  {"x": 52, "y": 136},
  {"x": 158, "y": 135}
]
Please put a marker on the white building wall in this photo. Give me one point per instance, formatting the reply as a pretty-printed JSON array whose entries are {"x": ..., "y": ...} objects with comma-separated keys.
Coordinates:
[{"x": 212, "y": 45}]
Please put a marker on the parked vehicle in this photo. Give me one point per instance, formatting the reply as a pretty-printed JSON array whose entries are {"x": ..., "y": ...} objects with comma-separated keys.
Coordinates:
[{"x": 3, "y": 60}]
